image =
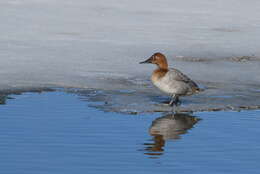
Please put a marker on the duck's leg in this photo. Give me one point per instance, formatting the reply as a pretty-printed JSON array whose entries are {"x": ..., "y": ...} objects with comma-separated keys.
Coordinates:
[
  {"x": 174, "y": 100},
  {"x": 174, "y": 103}
]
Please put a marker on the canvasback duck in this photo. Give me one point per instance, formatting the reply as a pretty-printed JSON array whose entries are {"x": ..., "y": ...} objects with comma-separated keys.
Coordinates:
[{"x": 171, "y": 80}]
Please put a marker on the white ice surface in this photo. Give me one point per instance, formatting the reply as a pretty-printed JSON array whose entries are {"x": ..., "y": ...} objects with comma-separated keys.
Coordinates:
[{"x": 87, "y": 43}]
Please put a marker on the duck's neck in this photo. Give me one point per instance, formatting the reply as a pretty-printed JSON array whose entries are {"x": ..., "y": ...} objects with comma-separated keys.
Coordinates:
[
  {"x": 163, "y": 66},
  {"x": 158, "y": 73}
]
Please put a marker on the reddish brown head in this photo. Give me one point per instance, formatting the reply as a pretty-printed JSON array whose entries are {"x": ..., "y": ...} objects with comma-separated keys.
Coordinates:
[{"x": 159, "y": 59}]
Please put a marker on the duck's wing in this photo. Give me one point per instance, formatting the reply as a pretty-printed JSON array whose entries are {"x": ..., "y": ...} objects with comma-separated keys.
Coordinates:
[{"x": 179, "y": 76}]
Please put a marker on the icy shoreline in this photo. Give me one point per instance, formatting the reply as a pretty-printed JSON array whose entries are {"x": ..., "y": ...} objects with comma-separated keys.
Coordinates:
[{"x": 132, "y": 97}]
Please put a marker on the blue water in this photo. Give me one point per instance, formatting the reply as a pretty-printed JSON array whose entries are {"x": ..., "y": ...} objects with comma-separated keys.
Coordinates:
[{"x": 57, "y": 133}]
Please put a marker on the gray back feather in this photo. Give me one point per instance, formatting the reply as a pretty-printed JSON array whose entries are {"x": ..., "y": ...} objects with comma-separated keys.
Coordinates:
[{"x": 179, "y": 76}]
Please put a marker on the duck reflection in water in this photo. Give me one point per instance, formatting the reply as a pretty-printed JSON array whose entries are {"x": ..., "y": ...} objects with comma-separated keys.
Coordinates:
[{"x": 168, "y": 127}]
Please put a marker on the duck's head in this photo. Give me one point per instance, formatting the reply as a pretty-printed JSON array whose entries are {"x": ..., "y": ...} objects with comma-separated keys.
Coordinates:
[{"x": 159, "y": 59}]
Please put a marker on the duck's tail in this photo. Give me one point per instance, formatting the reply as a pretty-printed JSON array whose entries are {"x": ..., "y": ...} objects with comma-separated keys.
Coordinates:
[{"x": 196, "y": 88}]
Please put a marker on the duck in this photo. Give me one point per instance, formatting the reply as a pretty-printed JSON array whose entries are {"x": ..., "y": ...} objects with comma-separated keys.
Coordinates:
[{"x": 170, "y": 80}]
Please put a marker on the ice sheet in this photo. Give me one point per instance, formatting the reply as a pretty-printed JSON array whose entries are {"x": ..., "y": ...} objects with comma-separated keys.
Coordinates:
[{"x": 98, "y": 44}]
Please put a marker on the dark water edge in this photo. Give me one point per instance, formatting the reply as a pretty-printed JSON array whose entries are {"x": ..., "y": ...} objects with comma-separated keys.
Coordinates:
[{"x": 57, "y": 132}]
